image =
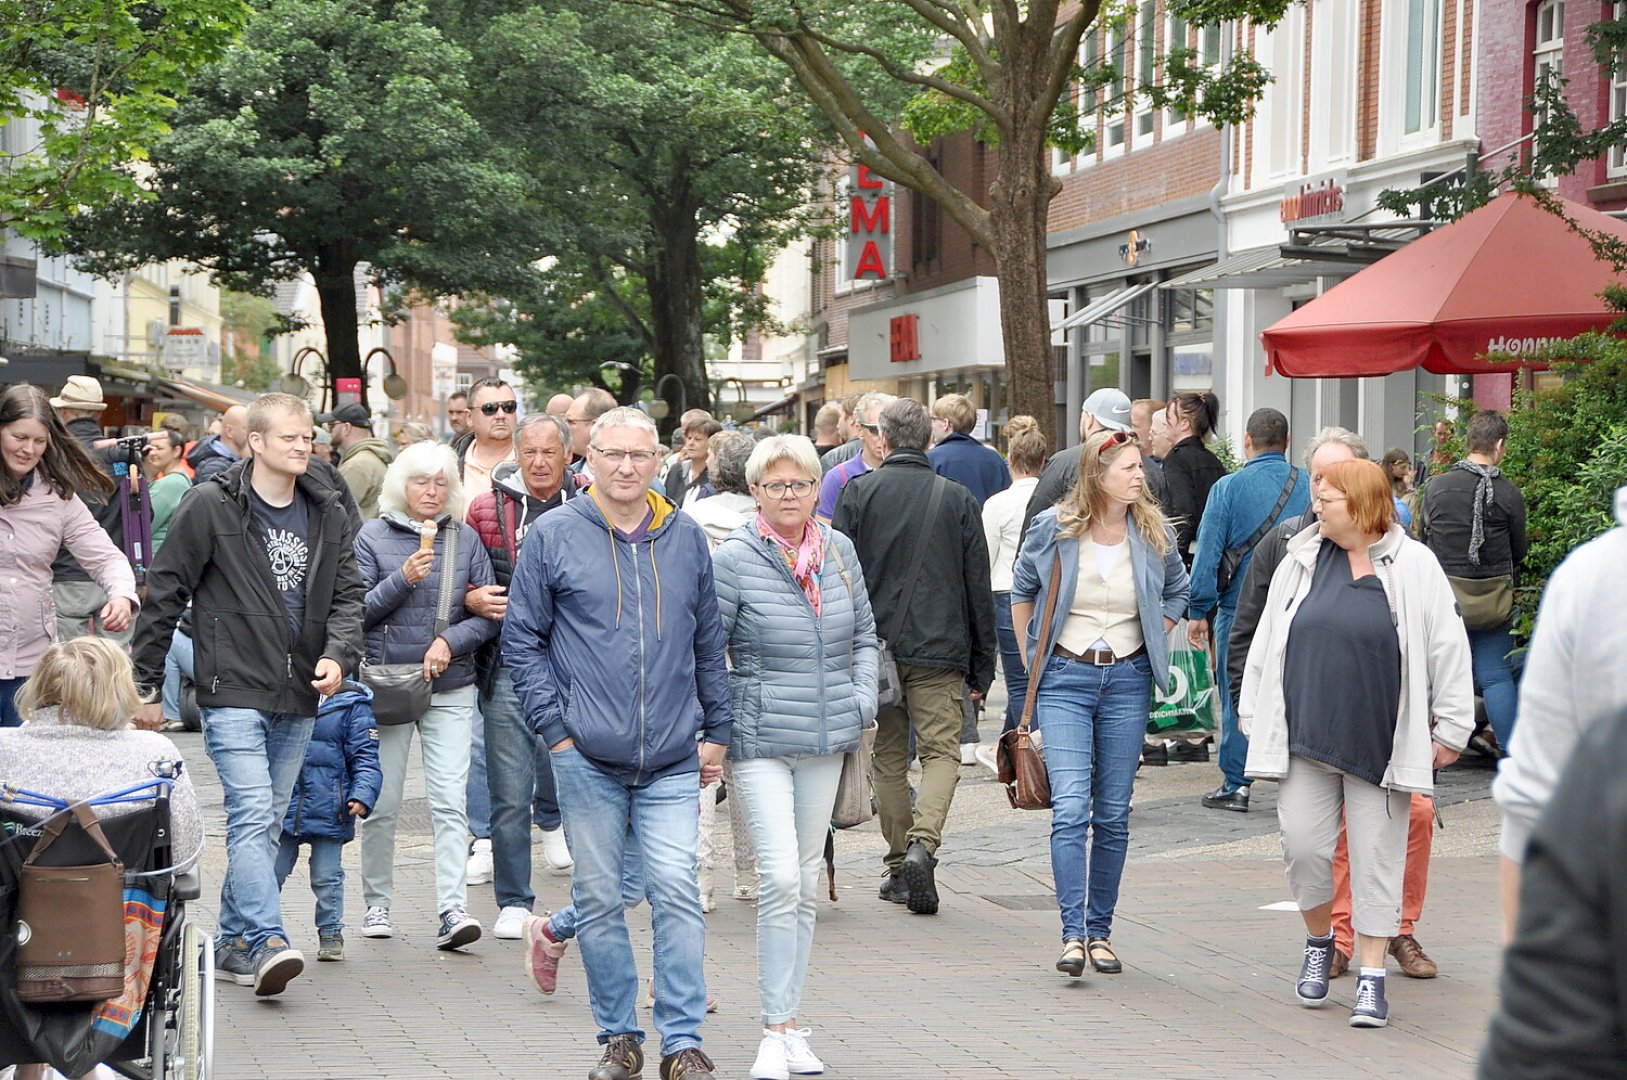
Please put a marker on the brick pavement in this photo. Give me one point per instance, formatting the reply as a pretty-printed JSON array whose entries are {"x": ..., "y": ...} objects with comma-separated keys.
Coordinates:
[{"x": 970, "y": 993}]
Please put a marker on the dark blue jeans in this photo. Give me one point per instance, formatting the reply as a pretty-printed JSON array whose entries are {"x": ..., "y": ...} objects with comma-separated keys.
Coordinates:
[
  {"x": 1233, "y": 743},
  {"x": 8, "y": 709},
  {"x": 1494, "y": 678},
  {"x": 1011, "y": 661}
]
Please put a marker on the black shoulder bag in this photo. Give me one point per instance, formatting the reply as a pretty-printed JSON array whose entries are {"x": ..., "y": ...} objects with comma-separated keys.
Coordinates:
[
  {"x": 1233, "y": 557},
  {"x": 400, "y": 692}
]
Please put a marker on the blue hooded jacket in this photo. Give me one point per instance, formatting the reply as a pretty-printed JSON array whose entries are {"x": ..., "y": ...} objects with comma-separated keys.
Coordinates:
[
  {"x": 619, "y": 646},
  {"x": 342, "y": 763}
]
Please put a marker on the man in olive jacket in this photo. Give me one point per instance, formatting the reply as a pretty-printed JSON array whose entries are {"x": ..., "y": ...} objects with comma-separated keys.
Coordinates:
[{"x": 943, "y": 636}]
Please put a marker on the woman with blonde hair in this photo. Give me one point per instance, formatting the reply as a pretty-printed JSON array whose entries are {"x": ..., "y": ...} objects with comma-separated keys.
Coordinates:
[
  {"x": 1357, "y": 688},
  {"x": 1119, "y": 587}
]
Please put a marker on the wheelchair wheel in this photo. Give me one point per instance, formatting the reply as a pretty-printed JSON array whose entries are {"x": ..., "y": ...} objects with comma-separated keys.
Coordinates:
[{"x": 195, "y": 1023}]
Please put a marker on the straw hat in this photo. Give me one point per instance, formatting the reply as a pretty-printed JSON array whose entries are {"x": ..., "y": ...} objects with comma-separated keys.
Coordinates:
[{"x": 80, "y": 392}]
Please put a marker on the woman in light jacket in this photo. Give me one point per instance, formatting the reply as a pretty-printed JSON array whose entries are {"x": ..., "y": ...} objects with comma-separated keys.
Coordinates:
[
  {"x": 803, "y": 646},
  {"x": 1122, "y": 588},
  {"x": 403, "y": 582},
  {"x": 1357, "y": 688},
  {"x": 45, "y": 468}
]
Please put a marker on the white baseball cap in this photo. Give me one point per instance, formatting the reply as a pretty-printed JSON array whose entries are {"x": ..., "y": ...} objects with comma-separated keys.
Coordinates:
[{"x": 1110, "y": 408}]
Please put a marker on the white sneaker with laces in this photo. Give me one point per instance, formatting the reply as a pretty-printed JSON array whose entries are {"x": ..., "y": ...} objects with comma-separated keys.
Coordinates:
[
  {"x": 480, "y": 864},
  {"x": 555, "y": 851},
  {"x": 510, "y": 924},
  {"x": 799, "y": 1057},
  {"x": 771, "y": 1063},
  {"x": 968, "y": 753},
  {"x": 376, "y": 923}
]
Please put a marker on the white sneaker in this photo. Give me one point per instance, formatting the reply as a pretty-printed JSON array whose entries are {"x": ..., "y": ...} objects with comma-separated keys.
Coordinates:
[
  {"x": 968, "y": 753},
  {"x": 799, "y": 1058},
  {"x": 771, "y": 1063},
  {"x": 510, "y": 924},
  {"x": 985, "y": 757},
  {"x": 376, "y": 923},
  {"x": 480, "y": 864},
  {"x": 555, "y": 850},
  {"x": 747, "y": 893}
]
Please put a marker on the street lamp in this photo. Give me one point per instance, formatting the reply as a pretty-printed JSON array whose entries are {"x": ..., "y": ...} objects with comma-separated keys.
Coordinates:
[
  {"x": 742, "y": 408},
  {"x": 660, "y": 408},
  {"x": 394, "y": 386},
  {"x": 295, "y": 382}
]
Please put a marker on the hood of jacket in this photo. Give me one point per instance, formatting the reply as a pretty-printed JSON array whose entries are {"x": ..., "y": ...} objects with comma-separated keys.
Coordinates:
[
  {"x": 376, "y": 447},
  {"x": 398, "y": 519},
  {"x": 722, "y": 514},
  {"x": 207, "y": 447},
  {"x": 507, "y": 480}
]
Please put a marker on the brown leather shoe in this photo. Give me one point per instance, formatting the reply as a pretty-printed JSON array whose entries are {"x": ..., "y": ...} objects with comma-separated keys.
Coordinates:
[
  {"x": 1339, "y": 965},
  {"x": 623, "y": 1059},
  {"x": 688, "y": 1064},
  {"x": 1415, "y": 963}
]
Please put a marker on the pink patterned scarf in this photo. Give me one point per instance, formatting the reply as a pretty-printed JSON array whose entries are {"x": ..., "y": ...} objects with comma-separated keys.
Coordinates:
[{"x": 804, "y": 559}]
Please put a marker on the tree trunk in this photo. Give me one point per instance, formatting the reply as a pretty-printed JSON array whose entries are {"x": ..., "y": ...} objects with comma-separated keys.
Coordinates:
[
  {"x": 335, "y": 276},
  {"x": 675, "y": 288}
]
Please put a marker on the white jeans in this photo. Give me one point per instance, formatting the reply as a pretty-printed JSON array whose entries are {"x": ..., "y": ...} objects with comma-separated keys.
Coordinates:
[
  {"x": 788, "y": 802},
  {"x": 446, "y": 732}
]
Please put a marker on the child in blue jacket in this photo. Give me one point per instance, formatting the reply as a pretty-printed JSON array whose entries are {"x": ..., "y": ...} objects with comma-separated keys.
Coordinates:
[{"x": 339, "y": 783}]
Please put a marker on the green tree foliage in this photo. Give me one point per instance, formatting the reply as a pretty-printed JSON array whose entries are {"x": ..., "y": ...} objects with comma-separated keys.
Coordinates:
[
  {"x": 251, "y": 321},
  {"x": 336, "y": 134},
  {"x": 91, "y": 84}
]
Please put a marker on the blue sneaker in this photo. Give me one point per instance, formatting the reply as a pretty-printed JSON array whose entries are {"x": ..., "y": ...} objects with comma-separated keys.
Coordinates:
[
  {"x": 232, "y": 962},
  {"x": 1371, "y": 1010},
  {"x": 1312, "y": 987}
]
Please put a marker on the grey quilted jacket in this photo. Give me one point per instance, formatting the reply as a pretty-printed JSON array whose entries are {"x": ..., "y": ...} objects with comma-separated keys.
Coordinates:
[{"x": 800, "y": 683}]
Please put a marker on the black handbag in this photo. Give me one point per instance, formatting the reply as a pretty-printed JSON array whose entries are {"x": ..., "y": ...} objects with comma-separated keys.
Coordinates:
[{"x": 401, "y": 694}]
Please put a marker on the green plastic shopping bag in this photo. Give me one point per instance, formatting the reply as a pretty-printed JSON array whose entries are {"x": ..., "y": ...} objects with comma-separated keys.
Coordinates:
[{"x": 1193, "y": 702}]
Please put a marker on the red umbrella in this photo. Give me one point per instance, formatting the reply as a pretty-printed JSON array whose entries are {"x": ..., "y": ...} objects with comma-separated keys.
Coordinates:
[{"x": 1508, "y": 277}]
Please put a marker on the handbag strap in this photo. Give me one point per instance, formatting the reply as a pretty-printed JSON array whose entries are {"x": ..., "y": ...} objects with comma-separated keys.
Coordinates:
[
  {"x": 1042, "y": 646},
  {"x": 1271, "y": 518},
  {"x": 896, "y": 623},
  {"x": 449, "y": 567},
  {"x": 52, "y": 829},
  {"x": 852, "y": 600}
]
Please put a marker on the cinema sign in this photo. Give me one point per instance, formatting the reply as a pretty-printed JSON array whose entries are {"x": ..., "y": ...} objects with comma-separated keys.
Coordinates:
[{"x": 869, "y": 225}]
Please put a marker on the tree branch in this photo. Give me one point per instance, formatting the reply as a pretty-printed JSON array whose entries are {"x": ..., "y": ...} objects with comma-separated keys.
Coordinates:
[
  {"x": 958, "y": 24},
  {"x": 1064, "y": 46},
  {"x": 904, "y": 75}
]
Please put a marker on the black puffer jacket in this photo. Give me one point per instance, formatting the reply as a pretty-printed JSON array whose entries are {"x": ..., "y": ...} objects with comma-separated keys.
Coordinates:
[
  {"x": 1190, "y": 470},
  {"x": 950, "y": 622},
  {"x": 215, "y": 557}
]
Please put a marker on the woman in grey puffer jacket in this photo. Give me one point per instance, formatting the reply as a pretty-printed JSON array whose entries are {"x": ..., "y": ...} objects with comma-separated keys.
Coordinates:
[
  {"x": 802, "y": 642},
  {"x": 403, "y": 579}
]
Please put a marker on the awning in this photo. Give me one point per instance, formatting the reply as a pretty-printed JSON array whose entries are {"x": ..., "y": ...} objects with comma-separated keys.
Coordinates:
[
  {"x": 1312, "y": 252},
  {"x": 1258, "y": 268},
  {"x": 209, "y": 394},
  {"x": 783, "y": 405},
  {"x": 1098, "y": 310}
]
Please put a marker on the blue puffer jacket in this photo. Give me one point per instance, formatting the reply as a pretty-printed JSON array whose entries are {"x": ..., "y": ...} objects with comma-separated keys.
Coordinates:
[
  {"x": 801, "y": 684},
  {"x": 618, "y": 646},
  {"x": 408, "y": 611},
  {"x": 342, "y": 763}
]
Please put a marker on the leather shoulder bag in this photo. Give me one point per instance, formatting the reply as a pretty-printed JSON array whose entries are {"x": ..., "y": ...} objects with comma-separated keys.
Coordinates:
[
  {"x": 855, "y": 803},
  {"x": 1020, "y": 756},
  {"x": 70, "y": 919},
  {"x": 401, "y": 694}
]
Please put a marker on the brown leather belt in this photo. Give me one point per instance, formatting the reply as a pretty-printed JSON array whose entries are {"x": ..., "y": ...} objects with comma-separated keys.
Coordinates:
[{"x": 1096, "y": 657}]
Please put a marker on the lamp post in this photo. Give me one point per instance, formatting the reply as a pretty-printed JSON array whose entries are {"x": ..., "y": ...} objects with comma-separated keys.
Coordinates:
[
  {"x": 742, "y": 408},
  {"x": 393, "y": 385},
  {"x": 660, "y": 408},
  {"x": 297, "y": 384}
]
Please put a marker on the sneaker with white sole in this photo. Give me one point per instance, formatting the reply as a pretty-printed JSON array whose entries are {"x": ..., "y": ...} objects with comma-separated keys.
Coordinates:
[
  {"x": 510, "y": 924},
  {"x": 480, "y": 865},
  {"x": 458, "y": 928},
  {"x": 1371, "y": 1009},
  {"x": 542, "y": 952},
  {"x": 275, "y": 964},
  {"x": 1312, "y": 986},
  {"x": 555, "y": 851},
  {"x": 968, "y": 753},
  {"x": 799, "y": 1056},
  {"x": 770, "y": 1063},
  {"x": 232, "y": 962},
  {"x": 985, "y": 757},
  {"x": 376, "y": 923}
]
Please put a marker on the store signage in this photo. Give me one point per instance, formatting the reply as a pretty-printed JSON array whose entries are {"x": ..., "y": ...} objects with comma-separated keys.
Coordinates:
[
  {"x": 347, "y": 391},
  {"x": 184, "y": 347},
  {"x": 870, "y": 225},
  {"x": 1313, "y": 199},
  {"x": 904, "y": 338}
]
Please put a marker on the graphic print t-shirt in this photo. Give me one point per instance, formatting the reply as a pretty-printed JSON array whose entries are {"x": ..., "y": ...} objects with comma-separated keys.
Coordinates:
[{"x": 286, "y": 530}]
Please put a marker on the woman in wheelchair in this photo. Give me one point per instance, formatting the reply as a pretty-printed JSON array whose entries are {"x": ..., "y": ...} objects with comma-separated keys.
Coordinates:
[{"x": 78, "y": 743}]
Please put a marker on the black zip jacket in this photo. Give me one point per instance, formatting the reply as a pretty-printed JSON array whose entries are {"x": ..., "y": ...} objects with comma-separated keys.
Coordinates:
[
  {"x": 108, "y": 510},
  {"x": 214, "y": 556},
  {"x": 950, "y": 622},
  {"x": 1190, "y": 470},
  {"x": 1448, "y": 522},
  {"x": 1268, "y": 553}
]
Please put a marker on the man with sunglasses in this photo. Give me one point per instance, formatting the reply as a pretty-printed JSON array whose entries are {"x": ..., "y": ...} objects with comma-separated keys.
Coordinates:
[
  {"x": 866, "y": 425},
  {"x": 489, "y": 442}
]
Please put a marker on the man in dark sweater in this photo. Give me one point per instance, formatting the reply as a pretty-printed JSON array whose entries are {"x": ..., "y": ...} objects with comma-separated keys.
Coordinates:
[{"x": 957, "y": 455}]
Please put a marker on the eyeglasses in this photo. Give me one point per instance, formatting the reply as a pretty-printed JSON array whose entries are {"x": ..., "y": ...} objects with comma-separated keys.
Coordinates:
[
  {"x": 874, "y": 429},
  {"x": 491, "y": 407},
  {"x": 639, "y": 458},
  {"x": 800, "y": 489}
]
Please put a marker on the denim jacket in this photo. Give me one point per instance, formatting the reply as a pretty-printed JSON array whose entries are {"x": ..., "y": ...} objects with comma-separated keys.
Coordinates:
[{"x": 1161, "y": 585}]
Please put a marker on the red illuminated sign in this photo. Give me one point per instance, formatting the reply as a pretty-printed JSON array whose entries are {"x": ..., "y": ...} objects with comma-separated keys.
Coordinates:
[{"x": 904, "y": 338}]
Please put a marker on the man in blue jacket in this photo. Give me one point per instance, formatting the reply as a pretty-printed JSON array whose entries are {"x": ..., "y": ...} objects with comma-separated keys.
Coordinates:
[
  {"x": 616, "y": 650},
  {"x": 1242, "y": 508},
  {"x": 957, "y": 455}
]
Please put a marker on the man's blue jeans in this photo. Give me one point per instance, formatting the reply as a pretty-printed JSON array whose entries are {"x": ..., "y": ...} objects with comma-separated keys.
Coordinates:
[
  {"x": 509, "y": 783},
  {"x": 9, "y": 717},
  {"x": 1093, "y": 720},
  {"x": 665, "y": 817},
  {"x": 562, "y": 923},
  {"x": 258, "y": 756},
  {"x": 1233, "y": 743},
  {"x": 1494, "y": 678},
  {"x": 327, "y": 876},
  {"x": 177, "y": 662},
  {"x": 1011, "y": 661}
]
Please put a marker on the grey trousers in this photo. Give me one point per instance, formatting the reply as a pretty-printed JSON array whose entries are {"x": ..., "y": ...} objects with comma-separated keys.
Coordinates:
[
  {"x": 1311, "y": 801},
  {"x": 78, "y": 604}
]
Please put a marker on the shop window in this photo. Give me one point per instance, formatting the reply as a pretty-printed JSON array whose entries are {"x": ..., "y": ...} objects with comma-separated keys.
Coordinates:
[
  {"x": 1176, "y": 36},
  {"x": 1617, "y": 165},
  {"x": 926, "y": 227},
  {"x": 1190, "y": 311}
]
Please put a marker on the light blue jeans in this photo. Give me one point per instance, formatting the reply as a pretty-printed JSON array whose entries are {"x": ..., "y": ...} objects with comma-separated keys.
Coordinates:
[
  {"x": 327, "y": 876},
  {"x": 177, "y": 662},
  {"x": 505, "y": 787},
  {"x": 562, "y": 924},
  {"x": 1093, "y": 720},
  {"x": 664, "y": 816},
  {"x": 788, "y": 803},
  {"x": 258, "y": 756},
  {"x": 1494, "y": 678},
  {"x": 444, "y": 735}
]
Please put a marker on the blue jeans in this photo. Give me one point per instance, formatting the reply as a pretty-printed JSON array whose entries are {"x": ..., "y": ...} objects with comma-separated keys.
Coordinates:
[
  {"x": 664, "y": 816},
  {"x": 177, "y": 662},
  {"x": 1494, "y": 678},
  {"x": 1233, "y": 743},
  {"x": 562, "y": 924},
  {"x": 9, "y": 716},
  {"x": 1011, "y": 661},
  {"x": 477, "y": 793},
  {"x": 545, "y": 799},
  {"x": 509, "y": 783},
  {"x": 258, "y": 756},
  {"x": 327, "y": 876},
  {"x": 1093, "y": 720}
]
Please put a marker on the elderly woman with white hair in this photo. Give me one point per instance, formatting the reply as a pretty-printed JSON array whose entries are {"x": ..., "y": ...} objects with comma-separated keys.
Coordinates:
[
  {"x": 802, "y": 641},
  {"x": 400, "y": 557}
]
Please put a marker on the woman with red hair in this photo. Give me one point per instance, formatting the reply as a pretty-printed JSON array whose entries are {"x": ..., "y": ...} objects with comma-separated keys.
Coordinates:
[{"x": 1357, "y": 688}]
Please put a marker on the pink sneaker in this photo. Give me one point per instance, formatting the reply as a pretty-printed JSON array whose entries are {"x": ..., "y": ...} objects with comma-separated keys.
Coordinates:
[{"x": 542, "y": 953}]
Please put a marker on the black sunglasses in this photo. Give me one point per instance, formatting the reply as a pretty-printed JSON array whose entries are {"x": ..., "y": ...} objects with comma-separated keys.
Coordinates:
[{"x": 491, "y": 407}]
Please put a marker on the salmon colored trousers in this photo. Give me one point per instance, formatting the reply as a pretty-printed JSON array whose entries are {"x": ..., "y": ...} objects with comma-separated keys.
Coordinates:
[{"x": 1415, "y": 882}]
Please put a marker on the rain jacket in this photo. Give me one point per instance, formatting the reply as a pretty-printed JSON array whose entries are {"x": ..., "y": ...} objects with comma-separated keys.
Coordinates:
[
  {"x": 363, "y": 466},
  {"x": 341, "y": 764},
  {"x": 209, "y": 457}
]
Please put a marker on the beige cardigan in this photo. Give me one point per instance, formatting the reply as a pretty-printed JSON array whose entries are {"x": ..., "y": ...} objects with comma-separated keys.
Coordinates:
[{"x": 1437, "y": 684}]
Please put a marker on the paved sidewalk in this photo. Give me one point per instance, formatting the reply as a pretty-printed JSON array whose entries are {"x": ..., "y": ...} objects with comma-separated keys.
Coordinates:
[{"x": 970, "y": 993}]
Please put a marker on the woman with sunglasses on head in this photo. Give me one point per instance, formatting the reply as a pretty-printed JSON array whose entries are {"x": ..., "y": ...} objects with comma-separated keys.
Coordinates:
[
  {"x": 1190, "y": 468},
  {"x": 1120, "y": 588},
  {"x": 802, "y": 643}
]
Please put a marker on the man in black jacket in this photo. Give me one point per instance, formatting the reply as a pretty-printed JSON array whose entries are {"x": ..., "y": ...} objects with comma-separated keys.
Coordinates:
[
  {"x": 942, "y": 635},
  {"x": 265, "y": 552}
]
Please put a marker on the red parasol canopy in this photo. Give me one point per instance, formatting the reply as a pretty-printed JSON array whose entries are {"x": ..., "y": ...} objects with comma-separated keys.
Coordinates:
[{"x": 1508, "y": 277}]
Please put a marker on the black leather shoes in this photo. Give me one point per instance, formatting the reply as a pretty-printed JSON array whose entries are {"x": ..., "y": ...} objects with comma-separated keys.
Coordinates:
[
  {"x": 1154, "y": 754},
  {"x": 918, "y": 876},
  {"x": 1222, "y": 799},
  {"x": 894, "y": 890},
  {"x": 1187, "y": 751}
]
